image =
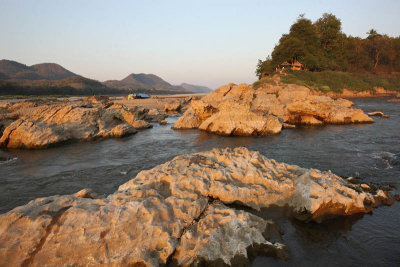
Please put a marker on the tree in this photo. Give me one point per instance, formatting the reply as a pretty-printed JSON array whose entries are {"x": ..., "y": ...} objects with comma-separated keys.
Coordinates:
[
  {"x": 323, "y": 46},
  {"x": 300, "y": 44},
  {"x": 378, "y": 46},
  {"x": 357, "y": 55},
  {"x": 264, "y": 67},
  {"x": 329, "y": 30},
  {"x": 332, "y": 42}
]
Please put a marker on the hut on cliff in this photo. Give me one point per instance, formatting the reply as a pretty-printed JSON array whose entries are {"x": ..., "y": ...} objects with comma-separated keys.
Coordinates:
[{"x": 295, "y": 65}]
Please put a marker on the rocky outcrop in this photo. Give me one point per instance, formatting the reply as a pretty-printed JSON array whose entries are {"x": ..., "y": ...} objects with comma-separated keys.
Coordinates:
[
  {"x": 178, "y": 212},
  {"x": 39, "y": 124},
  {"x": 172, "y": 106},
  {"x": 242, "y": 110},
  {"x": 378, "y": 114}
]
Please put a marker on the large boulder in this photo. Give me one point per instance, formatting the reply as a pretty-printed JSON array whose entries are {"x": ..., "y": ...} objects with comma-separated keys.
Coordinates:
[
  {"x": 243, "y": 110},
  {"x": 176, "y": 212}
]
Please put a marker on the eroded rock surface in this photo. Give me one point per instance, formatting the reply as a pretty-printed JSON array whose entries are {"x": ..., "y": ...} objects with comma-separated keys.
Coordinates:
[
  {"x": 39, "y": 124},
  {"x": 177, "y": 213},
  {"x": 227, "y": 235},
  {"x": 242, "y": 110}
]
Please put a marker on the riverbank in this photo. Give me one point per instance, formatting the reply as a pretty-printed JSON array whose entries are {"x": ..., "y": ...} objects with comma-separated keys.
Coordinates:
[{"x": 337, "y": 84}]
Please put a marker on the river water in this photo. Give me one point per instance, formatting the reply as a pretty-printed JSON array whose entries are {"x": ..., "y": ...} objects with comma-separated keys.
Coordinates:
[{"x": 370, "y": 152}]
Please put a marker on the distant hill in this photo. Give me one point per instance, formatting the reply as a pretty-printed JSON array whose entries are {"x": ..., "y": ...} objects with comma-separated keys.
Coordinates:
[
  {"x": 77, "y": 82},
  {"x": 195, "y": 88},
  {"x": 45, "y": 78},
  {"x": 144, "y": 81},
  {"x": 45, "y": 71},
  {"x": 51, "y": 78},
  {"x": 3, "y": 76}
]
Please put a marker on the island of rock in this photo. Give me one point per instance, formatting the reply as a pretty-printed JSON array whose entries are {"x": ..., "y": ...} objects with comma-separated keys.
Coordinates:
[
  {"x": 184, "y": 212},
  {"x": 244, "y": 110}
]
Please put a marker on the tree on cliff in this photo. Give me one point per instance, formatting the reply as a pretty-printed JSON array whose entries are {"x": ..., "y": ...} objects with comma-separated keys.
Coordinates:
[
  {"x": 323, "y": 46},
  {"x": 300, "y": 44}
]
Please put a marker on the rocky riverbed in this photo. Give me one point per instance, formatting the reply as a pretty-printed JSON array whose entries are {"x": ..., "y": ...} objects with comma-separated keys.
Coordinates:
[
  {"x": 192, "y": 210},
  {"x": 244, "y": 110}
]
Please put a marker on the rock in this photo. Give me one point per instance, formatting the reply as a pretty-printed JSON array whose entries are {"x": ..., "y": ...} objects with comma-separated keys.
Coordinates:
[
  {"x": 242, "y": 110},
  {"x": 378, "y": 114},
  {"x": 240, "y": 121},
  {"x": 189, "y": 120},
  {"x": 353, "y": 180},
  {"x": 169, "y": 214},
  {"x": 382, "y": 198},
  {"x": 130, "y": 118},
  {"x": 227, "y": 234},
  {"x": 172, "y": 106},
  {"x": 39, "y": 124},
  {"x": 345, "y": 102},
  {"x": 103, "y": 101},
  {"x": 365, "y": 187},
  {"x": 288, "y": 126},
  {"x": 5, "y": 105},
  {"x": 87, "y": 193},
  {"x": 154, "y": 115},
  {"x": 263, "y": 183},
  {"x": 310, "y": 120},
  {"x": 163, "y": 122}
]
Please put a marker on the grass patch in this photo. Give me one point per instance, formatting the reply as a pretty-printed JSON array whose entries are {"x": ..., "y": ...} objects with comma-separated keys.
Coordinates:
[
  {"x": 336, "y": 81},
  {"x": 265, "y": 80}
]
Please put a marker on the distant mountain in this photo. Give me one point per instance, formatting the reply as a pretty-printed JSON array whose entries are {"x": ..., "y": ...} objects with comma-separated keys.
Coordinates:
[
  {"x": 3, "y": 76},
  {"x": 195, "y": 88},
  {"x": 144, "y": 81},
  {"x": 51, "y": 78},
  {"x": 45, "y": 79},
  {"x": 77, "y": 82},
  {"x": 45, "y": 71}
]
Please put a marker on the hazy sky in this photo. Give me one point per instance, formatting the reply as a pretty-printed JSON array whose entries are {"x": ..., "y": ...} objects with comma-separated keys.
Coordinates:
[{"x": 200, "y": 42}]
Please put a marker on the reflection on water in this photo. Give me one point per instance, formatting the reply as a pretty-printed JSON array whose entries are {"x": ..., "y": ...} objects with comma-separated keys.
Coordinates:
[{"x": 368, "y": 151}]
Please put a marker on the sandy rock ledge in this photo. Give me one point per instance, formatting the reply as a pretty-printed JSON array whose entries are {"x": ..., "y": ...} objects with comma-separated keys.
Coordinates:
[{"x": 178, "y": 213}]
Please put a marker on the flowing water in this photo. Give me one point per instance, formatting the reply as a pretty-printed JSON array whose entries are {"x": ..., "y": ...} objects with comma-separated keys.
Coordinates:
[{"x": 369, "y": 151}]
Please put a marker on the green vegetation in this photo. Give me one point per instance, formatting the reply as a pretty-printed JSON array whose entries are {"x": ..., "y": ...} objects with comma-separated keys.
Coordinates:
[
  {"x": 264, "y": 80},
  {"x": 322, "y": 46},
  {"x": 336, "y": 81}
]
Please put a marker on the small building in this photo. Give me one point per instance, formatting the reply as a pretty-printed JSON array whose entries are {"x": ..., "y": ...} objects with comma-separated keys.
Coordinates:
[
  {"x": 285, "y": 65},
  {"x": 295, "y": 65}
]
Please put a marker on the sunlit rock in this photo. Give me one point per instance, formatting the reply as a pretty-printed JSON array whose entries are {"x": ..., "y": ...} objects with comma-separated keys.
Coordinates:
[
  {"x": 178, "y": 212},
  {"x": 243, "y": 110}
]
